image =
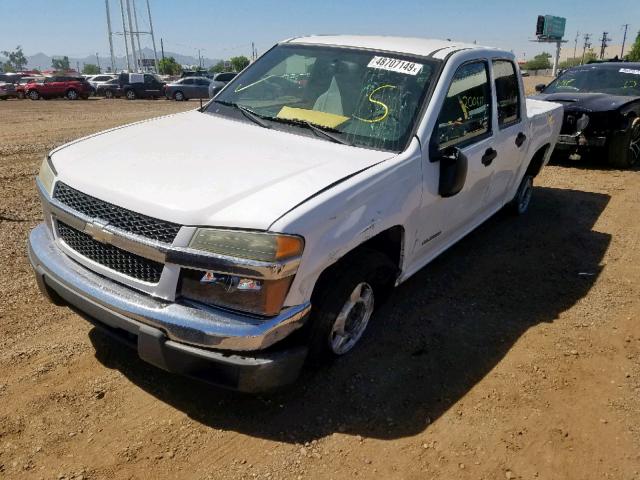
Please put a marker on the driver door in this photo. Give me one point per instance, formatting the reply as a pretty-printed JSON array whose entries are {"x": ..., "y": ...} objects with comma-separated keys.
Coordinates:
[{"x": 464, "y": 124}]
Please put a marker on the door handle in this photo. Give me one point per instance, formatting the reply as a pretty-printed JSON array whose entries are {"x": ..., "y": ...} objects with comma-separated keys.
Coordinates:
[
  {"x": 489, "y": 156},
  {"x": 520, "y": 139}
]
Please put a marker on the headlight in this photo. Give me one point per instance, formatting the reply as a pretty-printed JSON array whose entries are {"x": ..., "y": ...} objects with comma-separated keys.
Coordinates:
[
  {"x": 261, "y": 297},
  {"x": 266, "y": 247},
  {"x": 582, "y": 123},
  {"x": 47, "y": 174},
  {"x": 252, "y": 295}
]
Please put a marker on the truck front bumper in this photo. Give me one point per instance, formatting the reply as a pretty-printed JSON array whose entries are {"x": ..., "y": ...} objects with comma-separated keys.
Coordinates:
[{"x": 216, "y": 346}]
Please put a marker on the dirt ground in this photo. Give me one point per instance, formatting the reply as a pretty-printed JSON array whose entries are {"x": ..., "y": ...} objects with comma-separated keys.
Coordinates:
[{"x": 514, "y": 355}]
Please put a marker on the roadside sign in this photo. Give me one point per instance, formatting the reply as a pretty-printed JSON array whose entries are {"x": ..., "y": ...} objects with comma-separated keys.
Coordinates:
[{"x": 549, "y": 27}]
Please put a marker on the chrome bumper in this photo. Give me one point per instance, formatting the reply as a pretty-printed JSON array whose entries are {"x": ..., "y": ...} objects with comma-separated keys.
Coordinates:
[
  {"x": 581, "y": 141},
  {"x": 105, "y": 300}
]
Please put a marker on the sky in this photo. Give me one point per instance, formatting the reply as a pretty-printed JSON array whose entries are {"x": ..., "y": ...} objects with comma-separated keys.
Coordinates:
[{"x": 77, "y": 28}]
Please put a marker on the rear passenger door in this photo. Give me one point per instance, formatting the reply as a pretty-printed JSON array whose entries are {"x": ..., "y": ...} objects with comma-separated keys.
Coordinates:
[{"x": 509, "y": 138}]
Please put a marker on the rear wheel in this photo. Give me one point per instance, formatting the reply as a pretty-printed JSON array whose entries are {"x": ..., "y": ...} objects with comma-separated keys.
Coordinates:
[
  {"x": 624, "y": 149},
  {"x": 33, "y": 95},
  {"x": 520, "y": 203},
  {"x": 108, "y": 94},
  {"x": 72, "y": 94},
  {"x": 345, "y": 302},
  {"x": 21, "y": 95},
  {"x": 131, "y": 95}
]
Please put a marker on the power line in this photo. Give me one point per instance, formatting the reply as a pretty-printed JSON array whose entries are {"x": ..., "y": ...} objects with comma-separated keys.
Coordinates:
[
  {"x": 624, "y": 39},
  {"x": 587, "y": 44},
  {"x": 604, "y": 44}
]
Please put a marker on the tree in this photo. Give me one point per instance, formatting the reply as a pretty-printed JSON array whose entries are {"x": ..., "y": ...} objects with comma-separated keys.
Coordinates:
[
  {"x": 539, "y": 62},
  {"x": 60, "y": 63},
  {"x": 634, "y": 54},
  {"x": 239, "y": 63},
  {"x": 218, "y": 67},
  {"x": 169, "y": 66},
  {"x": 573, "y": 62},
  {"x": 16, "y": 60},
  {"x": 90, "y": 69}
]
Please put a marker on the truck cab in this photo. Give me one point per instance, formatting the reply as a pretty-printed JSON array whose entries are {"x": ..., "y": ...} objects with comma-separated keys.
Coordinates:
[{"x": 321, "y": 177}]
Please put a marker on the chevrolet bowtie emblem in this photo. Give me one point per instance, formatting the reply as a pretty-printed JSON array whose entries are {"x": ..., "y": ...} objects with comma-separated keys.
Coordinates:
[{"x": 97, "y": 230}]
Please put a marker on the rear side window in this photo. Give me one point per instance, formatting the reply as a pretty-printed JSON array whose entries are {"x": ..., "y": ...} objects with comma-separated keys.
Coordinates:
[
  {"x": 507, "y": 92},
  {"x": 187, "y": 81},
  {"x": 226, "y": 77},
  {"x": 466, "y": 113}
]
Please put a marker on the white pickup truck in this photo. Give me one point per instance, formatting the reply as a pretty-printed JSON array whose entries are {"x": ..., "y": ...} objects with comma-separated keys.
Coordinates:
[{"x": 234, "y": 242}]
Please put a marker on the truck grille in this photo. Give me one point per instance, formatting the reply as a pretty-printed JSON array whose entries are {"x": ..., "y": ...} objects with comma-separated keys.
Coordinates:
[
  {"x": 111, "y": 257},
  {"x": 118, "y": 217}
]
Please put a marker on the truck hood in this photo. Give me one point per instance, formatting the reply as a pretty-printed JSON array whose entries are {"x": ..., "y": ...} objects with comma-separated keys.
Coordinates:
[
  {"x": 594, "y": 102},
  {"x": 198, "y": 169}
]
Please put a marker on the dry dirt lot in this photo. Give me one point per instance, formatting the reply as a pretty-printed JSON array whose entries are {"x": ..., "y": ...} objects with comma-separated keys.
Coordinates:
[{"x": 514, "y": 355}]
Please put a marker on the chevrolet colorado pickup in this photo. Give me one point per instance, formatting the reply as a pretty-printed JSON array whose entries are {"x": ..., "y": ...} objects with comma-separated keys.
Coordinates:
[{"x": 327, "y": 172}]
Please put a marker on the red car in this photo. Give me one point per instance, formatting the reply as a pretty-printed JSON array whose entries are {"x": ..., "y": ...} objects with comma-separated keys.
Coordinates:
[{"x": 59, "y": 86}]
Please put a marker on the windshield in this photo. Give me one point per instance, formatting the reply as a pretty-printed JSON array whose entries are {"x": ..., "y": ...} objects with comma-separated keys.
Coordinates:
[
  {"x": 612, "y": 80},
  {"x": 365, "y": 98}
]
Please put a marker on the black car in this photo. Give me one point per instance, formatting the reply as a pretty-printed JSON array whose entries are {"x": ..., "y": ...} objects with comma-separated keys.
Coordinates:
[
  {"x": 137, "y": 85},
  {"x": 601, "y": 111},
  {"x": 110, "y": 89}
]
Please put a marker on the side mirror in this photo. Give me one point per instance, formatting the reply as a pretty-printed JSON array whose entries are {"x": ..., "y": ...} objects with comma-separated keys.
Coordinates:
[
  {"x": 540, "y": 87},
  {"x": 453, "y": 172}
]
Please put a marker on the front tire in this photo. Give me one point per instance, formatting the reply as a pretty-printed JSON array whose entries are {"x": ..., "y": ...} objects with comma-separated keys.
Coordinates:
[
  {"x": 178, "y": 96},
  {"x": 344, "y": 303},
  {"x": 72, "y": 95},
  {"x": 624, "y": 149},
  {"x": 108, "y": 94},
  {"x": 131, "y": 95},
  {"x": 34, "y": 95}
]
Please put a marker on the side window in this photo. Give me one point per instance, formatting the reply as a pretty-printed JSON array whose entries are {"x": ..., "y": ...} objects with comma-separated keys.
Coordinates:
[
  {"x": 187, "y": 81},
  {"x": 507, "y": 92},
  {"x": 466, "y": 112}
]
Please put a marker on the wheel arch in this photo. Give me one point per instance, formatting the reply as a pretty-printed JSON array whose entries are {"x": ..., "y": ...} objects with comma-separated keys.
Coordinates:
[{"x": 538, "y": 160}]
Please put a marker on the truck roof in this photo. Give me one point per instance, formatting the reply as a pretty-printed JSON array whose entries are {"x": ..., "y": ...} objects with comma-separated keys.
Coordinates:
[{"x": 426, "y": 47}]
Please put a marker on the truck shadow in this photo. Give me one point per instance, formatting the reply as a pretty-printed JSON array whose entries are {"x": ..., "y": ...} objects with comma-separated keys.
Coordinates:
[{"x": 439, "y": 334}]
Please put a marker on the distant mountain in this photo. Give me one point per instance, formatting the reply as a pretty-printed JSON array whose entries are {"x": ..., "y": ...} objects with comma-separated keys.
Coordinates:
[{"x": 42, "y": 61}]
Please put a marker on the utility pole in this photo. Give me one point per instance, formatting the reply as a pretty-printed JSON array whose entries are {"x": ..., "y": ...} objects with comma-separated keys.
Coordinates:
[
  {"x": 162, "y": 48},
  {"x": 587, "y": 44},
  {"x": 603, "y": 45},
  {"x": 113, "y": 58},
  {"x": 575, "y": 46},
  {"x": 135, "y": 19},
  {"x": 98, "y": 62},
  {"x": 624, "y": 40},
  {"x": 199, "y": 60},
  {"x": 124, "y": 34},
  {"x": 131, "y": 34},
  {"x": 153, "y": 38}
]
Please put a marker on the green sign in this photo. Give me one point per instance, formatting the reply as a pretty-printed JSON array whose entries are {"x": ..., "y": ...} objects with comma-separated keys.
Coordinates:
[{"x": 553, "y": 27}]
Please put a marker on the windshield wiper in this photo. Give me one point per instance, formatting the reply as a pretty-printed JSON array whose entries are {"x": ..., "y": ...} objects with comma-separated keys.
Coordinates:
[
  {"x": 250, "y": 114},
  {"x": 319, "y": 129}
]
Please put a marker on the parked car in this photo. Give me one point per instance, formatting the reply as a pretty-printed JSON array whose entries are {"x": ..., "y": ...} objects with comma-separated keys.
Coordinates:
[
  {"x": 140, "y": 85},
  {"x": 22, "y": 83},
  {"x": 219, "y": 81},
  {"x": 7, "y": 90},
  {"x": 186, "y": 88},
  {"x": 601, "y": 111},
  {"x": 196, "y": 73},
  {"x": 110, "y": 89},
  {"x": 270, "y": 231},
  {"x": 72, "y": 88},
  {"x": 96, "y": 80}
]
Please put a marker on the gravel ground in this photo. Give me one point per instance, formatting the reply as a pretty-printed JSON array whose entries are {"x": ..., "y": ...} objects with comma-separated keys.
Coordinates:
[{"x": 514, "y": 355}]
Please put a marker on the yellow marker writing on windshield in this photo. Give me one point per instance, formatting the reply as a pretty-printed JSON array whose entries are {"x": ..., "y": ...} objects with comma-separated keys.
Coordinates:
[{"x": 377, "y": 102}]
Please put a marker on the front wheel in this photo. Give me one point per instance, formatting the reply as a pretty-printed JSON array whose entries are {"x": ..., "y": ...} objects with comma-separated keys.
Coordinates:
[
  {"x": 21, "y": 95},
  {"x": 131, "y": 95},
  {"x": 624, "y": 149},
  {"x": 108, "y": 94},
  {"x": 344, "y": 303},
  {"x": 178, "y": 96},
  {"x": 33, "y": 95},
  {"x": 520, "y": 203},
  {"x": 72, "y": 95}
]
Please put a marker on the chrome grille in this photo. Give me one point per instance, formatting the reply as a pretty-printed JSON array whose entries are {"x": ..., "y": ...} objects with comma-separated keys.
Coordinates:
[
  {"x": 118, "y": 217},
  {"x": 111, "y": 257}
]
